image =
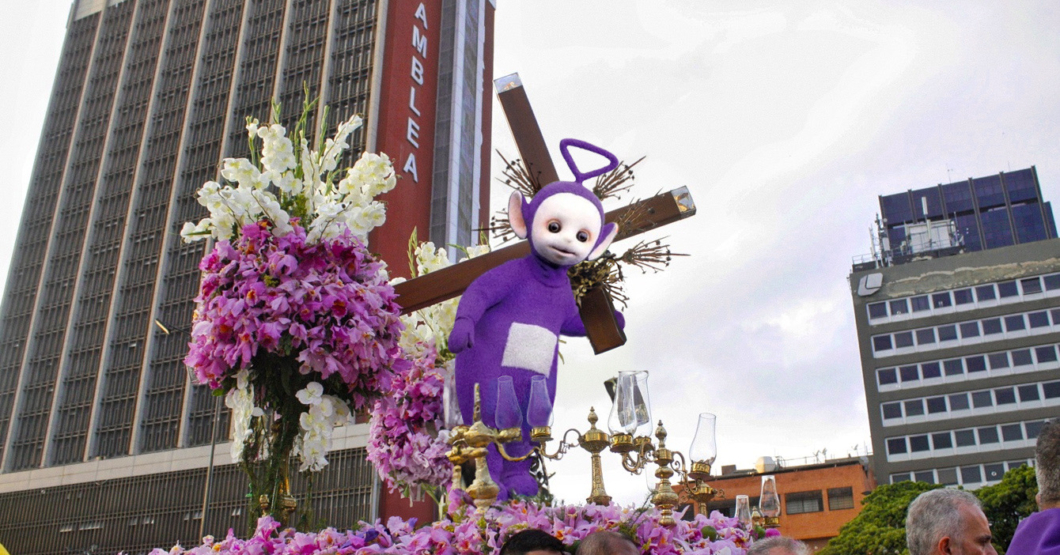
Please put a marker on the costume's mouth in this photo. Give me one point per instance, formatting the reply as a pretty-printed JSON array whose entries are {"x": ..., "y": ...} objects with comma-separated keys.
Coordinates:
[{"x": 562, "y": 252}]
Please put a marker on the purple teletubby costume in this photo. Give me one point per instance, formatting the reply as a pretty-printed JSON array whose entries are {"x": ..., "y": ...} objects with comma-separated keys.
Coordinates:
[{"x": 509, "y": 320}]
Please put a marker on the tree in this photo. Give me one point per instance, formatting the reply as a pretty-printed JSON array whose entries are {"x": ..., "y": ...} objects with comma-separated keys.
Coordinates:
[
  {"x": 879, "y": 529},
  {"x": 1008, "y": 502}
]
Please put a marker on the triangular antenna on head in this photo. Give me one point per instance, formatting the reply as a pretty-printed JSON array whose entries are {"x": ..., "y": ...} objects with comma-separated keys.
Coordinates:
[{"x": 578, "y": 175}]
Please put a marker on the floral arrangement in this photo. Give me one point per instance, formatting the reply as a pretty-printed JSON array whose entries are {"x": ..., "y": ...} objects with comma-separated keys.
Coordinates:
[
  {"x": 714, "y": 535},
  {"x": 406, "y": 440},
  {"x": 295, "y": 320}
]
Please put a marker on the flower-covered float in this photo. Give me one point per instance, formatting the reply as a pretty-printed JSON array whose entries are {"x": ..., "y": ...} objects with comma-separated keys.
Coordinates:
[{"x": 297, "y": 326}]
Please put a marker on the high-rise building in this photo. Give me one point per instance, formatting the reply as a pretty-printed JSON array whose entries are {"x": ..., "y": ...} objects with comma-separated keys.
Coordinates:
[
  {"x": 95, "y": 402},
  {"x": 958, "y": 321}
]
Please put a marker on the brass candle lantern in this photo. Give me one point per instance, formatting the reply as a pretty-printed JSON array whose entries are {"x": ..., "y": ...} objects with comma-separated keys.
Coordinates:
[
  {"x": 769, "y": 503},
  {"x": 629, "y": 424}
]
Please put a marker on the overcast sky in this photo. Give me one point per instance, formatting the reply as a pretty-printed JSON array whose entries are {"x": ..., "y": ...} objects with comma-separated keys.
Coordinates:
[{"x": 785, "y": 120}]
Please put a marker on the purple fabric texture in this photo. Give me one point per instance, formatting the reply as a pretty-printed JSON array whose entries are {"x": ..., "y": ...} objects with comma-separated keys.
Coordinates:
[
  {"x": 508, "y": 324},
  {"x": 1038, "y": 534}
]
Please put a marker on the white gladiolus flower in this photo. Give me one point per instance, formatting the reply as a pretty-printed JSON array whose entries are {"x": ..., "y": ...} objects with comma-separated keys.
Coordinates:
[
  {"x": 241, "y": 171},
  {"x": 270, "y": 189},
  {"x": 241, "y": 400}
]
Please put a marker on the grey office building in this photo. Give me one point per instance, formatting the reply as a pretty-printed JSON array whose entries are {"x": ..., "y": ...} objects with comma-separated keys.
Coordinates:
[
  {"x": 105, "y": 441},
  {"x": 958, "y": 321}
]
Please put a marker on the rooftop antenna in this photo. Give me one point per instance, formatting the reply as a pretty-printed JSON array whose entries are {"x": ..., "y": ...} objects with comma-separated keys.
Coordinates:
[{"x": 949, "y": 171}]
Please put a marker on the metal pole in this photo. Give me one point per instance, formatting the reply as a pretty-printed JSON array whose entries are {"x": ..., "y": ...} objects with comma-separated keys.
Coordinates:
[{"x": 209, "y": 470}]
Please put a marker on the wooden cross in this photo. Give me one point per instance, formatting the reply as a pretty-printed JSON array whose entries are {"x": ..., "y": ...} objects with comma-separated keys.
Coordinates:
[{"x": 596, "y": 309}]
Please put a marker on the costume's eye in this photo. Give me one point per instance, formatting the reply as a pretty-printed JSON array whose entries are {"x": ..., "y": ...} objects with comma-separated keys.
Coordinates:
[
  {"x": 583, "y": 236},
  {"x": 554, "y": 226}
]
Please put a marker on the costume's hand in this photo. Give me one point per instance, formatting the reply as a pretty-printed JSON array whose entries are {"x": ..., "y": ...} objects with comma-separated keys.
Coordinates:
[
  {"x": 620, "y": 320},
  {"x": 463, "y": 335}
]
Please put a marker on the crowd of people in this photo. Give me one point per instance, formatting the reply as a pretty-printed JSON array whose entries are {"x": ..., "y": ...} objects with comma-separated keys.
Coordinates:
[{"x": 939, "y": 522}]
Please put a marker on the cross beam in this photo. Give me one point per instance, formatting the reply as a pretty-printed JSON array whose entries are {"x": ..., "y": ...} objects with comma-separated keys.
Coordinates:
[
  {"x": 596, "y": 309},
  {"x": 447, "y": 283}
]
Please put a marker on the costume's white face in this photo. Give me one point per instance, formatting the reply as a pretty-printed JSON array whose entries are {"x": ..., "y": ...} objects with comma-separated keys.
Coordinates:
[{"x": 565, "y": 229}]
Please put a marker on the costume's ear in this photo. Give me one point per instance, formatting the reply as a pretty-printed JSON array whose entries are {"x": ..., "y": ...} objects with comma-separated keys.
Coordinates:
[
  {"x": 515, "y": 215},
  {"x": 608, "y": 234}
]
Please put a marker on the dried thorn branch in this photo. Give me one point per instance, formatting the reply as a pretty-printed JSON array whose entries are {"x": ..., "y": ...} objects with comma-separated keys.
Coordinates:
[
  {"x": 615, "y": 182},
  {"x": 500, "y": 227},
  {"x": 649, "y": 255},
  {"x": 519, "y": 177}
]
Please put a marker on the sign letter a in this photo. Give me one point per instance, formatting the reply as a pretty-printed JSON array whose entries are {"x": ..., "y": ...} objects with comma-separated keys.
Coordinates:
[
  {"x": 410, "y": 167},
  {"x": 421, "y": 14}
]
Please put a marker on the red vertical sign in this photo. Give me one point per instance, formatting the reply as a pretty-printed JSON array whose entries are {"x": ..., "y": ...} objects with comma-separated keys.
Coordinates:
[{"x": 406, "y": 120}]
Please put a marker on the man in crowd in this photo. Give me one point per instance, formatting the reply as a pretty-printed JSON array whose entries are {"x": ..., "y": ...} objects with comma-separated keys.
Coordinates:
[
  {"x": 532, "y": 542},
  {"x": 606, "y": 542},
  {"x": 947, "y": 522},
  {"x": 779, "y": 545},
  {"x": 1039, "y": 534}
]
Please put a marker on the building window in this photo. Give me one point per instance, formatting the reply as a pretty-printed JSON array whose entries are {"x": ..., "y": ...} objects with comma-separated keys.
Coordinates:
[
  {"x": 959, "y": 401},
  {"x": 963, "y": 296},
  {"x": 992, "y": 326},
  {"x": 982, "y": 399},
  {"x": 975, "y": 364},
  {"x": 930, "y": 370},
  {"x": 892, "y": 410},
  {"x": 896, "y": 446},
  {"x": 936, "y": 405},
  {"x": 877, "y": 310},
  {"x": 994, "y": 472},
  {"x": 970, "y": 329},
  {"x": 1015, "y": 323},
  {"x": 942, "y": 440},
  {"x": 1029, "y": 393},
  {"x": 953, "y": 367},
  {"x": 926, "y": 476},
  {"x": 1007, "y": 289},
  {"x": 839, "y": 499},
  {"x": 985, "y": 293},
  {"x": 910, "y": 373},
  {"x": 998, "y": 360},
  {"x": 887, "y": 376},
  {"x": 918, "y": 444},
  {"x": 899, "y": 307},
  {"x": 941, "y": 300},
  {"x": 1005, "y": 396},
  {"x": 900, "y": 477},
  {"x": 881, "y": 343},
  {"x": 1051, "y": 390},
  {"x": 1031, "y": 286},
  {"x": 804, "y": 502},
  {"x": 925, "y": 336},
  {"x": 948, "y": 476},
  {"x": 947, "y": 333},
  {"x": 1033, "y": 428},
  {"x": 971, "y": 475},
  {"x": 1011, "y": 432},
  {"x": 1052, "y": 282},
  {"x": 1039, "y": 319},
  {"x": 964, "y": 438},
  {"x": 988, "y": 435},
  {"x": 1022, "y": 357},
  {"x": 903, "y": 339},
  {"x": 1045, "y": 354},
  {"x": 920, "y": 303},
  {"x": 914, "y": 407}
]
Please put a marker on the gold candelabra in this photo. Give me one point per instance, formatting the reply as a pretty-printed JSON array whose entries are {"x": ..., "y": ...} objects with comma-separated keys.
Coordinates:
[{"x": 470, "y": 443}]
